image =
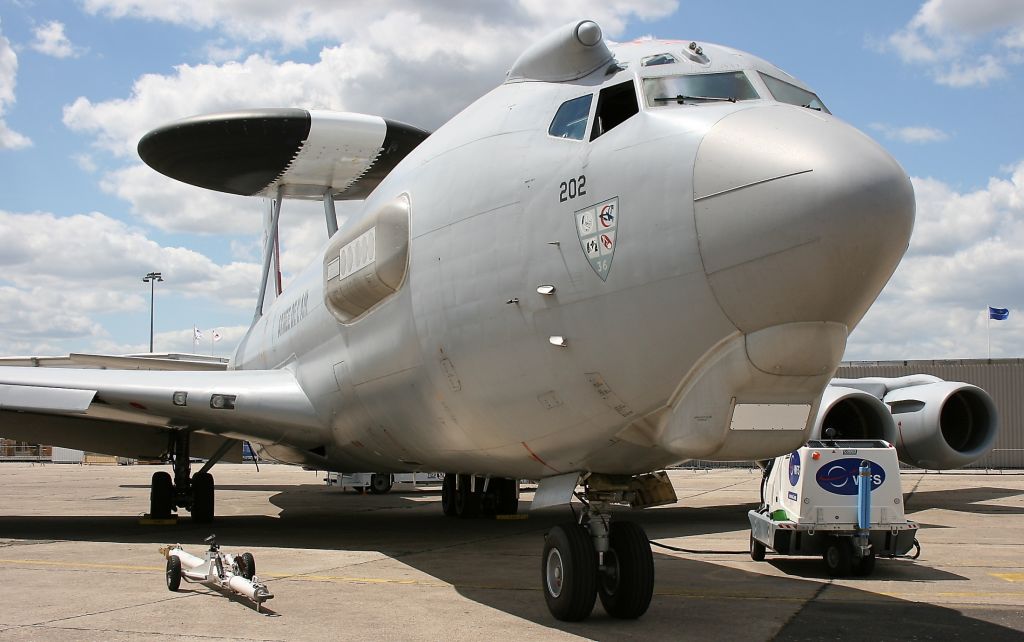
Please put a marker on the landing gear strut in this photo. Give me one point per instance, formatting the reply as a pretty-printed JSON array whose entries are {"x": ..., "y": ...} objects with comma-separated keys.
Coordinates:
[
  {"x": 595, "y": 557},
  {"x": 194, "y": 493},
  {"x": 473, "y": 496}
]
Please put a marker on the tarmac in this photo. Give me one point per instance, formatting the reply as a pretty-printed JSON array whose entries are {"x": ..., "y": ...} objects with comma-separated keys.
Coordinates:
[{"x": 75, "y": 563}]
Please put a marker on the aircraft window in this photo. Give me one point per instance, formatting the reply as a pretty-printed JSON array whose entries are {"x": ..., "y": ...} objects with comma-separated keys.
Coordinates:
[
  {"x": 698, "y": 89},
  {"x": 570, "y": 120},
  {"x": 615, "y": 105},
  {"x": 658, "y": 59},
  {"x": 793, "y": 95}
]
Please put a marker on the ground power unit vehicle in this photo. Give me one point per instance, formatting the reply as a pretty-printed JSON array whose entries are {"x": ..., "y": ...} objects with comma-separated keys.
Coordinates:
[{"x": 840, "y": 499}]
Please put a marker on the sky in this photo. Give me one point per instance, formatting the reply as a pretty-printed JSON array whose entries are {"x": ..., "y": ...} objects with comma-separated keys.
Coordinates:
[{"x": 82, "y": 220}]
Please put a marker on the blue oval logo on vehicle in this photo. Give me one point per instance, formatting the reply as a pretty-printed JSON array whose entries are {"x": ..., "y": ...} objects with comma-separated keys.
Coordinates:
[
  {"x": 794, "y": 468},
  {"x": 842, "y": 476}
]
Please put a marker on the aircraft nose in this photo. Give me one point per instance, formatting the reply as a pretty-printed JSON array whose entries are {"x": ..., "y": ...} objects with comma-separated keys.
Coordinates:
[{"x": 799, "y": 216}]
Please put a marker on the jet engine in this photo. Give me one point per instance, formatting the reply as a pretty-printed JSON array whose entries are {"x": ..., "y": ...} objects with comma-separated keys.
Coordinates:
[{"x": 932, "y": 423}]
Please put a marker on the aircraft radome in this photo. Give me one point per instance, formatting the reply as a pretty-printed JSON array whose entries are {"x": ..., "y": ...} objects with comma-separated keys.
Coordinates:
[{"x": 615, "y": 261}]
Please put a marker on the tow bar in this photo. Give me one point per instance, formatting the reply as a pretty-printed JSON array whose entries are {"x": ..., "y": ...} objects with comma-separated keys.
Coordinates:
[{"x": 223, "y": 571}]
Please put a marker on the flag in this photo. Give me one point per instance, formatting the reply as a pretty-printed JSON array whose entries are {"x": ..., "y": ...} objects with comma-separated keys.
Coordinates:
[
  {"x": 197, "y": 334},
  {"x": 216, "y": 336},
  {"x": 998, "y": 314}
]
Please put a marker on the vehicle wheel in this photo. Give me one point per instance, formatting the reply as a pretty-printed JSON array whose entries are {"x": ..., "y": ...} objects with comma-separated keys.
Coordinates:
[
  {"x": 508, "y": 497},
  {"x": 626, "y": 584},
  {"x": 202, "y": 498},
  {"x": 865, "y": 565},
  {"x": 467, "y": 503},
  {"x": 568, "y": 572},
  {"x": 359, "y": 490},
  {"x": 837, "y": 557},
  {"x": 448, "y": 495},
  {"x": 161, "y": 495},
  {"x": 380, "y": 483},
  {"x": 173, "y": 573},
  {"x": 246, "y": 565},
  {"x": 757, "y": 549}
]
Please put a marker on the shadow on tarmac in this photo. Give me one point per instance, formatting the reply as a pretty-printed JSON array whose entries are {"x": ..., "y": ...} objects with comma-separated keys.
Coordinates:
[{"x": 497, "y": 563}]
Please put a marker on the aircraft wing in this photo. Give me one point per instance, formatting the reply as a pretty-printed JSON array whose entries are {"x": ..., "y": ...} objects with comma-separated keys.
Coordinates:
[
  {"x": 121, "y": 362},
  {"x": 305, "y": 153},
  {"x": 131, "y": 413}
]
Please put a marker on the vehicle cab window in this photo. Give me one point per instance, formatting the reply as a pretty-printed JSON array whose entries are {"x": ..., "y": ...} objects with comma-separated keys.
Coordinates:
[
  {"x": 570, "y": 120},
  {"x": 697, "y": 89},
  {"x": 784, "y": 92}
]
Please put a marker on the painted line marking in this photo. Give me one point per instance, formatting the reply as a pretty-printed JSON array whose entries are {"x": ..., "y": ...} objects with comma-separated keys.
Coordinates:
[{"x": 1009, "y": 577}]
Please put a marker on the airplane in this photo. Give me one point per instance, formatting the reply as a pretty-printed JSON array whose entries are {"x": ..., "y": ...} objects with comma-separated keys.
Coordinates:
[{"x": 616, "y": 261}]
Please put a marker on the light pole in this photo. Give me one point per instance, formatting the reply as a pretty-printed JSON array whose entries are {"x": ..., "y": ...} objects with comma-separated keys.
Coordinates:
[{"x": 151, "y": 279}]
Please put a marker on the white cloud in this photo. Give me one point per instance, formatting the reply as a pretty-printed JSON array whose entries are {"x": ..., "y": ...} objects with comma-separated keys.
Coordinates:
[
  {"x": 295, "y": 25},
  {"x": 177, "y": 341},
  {"x": 977, "y": 73},
  {"x": 85, "y": 162},
  {"x": 912, "y": 134},
  {"x": 967, "y": 253},
  {"x": 51, "y": 40},
  {"x": 963, "y": 44},
  {"x": 97, "y": 253},
  {"x": 9, "y": 139}
]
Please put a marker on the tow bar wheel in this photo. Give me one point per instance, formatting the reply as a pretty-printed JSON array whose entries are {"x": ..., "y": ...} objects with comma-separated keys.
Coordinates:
[
  {"x": 569, "y": 572},
  {"x": 173, "y": 573}
]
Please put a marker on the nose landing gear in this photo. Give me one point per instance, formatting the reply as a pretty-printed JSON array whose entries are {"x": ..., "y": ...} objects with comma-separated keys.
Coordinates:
[{"x": 597, "y": 558}]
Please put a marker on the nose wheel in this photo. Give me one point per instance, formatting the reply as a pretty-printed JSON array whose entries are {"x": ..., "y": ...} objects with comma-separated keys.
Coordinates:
[{"x": 597, "y": 558}]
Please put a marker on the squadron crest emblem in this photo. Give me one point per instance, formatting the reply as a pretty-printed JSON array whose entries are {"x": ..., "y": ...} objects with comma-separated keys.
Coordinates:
[{"x": 596, "y": 227}]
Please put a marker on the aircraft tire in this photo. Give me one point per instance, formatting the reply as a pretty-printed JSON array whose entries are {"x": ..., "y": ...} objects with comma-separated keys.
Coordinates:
[
  {"x": 467, "y": 502},
  {"x": 626, "y": 587},
  {"x": 448, "y": 495},
  {"x": 380, "y": 483},
  {"x": 202, "y": 498},
  {"x": 568, "y": 572},
  {"x": 837, "y": 557},
  {"x": 173, "y": 573},
  {"x": 161, "y": 495},
  {"x": 757, "y": 549}
]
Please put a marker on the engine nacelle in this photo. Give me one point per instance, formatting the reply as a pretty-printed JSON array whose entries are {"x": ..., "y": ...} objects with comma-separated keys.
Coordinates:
[
  {"x": 932, "y": 423},
  {"x": 853, "y": 414},
  {"x": 942, "y": 425}
]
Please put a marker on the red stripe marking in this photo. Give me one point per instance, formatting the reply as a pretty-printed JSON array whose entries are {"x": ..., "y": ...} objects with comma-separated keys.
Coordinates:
[{"x": 538, "y": 459}]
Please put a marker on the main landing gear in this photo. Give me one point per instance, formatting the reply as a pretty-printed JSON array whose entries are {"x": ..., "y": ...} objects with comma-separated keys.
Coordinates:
[
  {"x": 475, "y": 496},
  {"x": 191, "y": 492},
  {"x": 595, "y": 557}
]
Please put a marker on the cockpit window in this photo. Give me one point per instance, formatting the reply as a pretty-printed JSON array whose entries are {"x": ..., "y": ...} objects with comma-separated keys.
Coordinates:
[
  {"x": 570, "y": 120},
  {"x": 793, "y": 95},
  {"x": 615, "y": 105},
  {"x": 658, "y": 59},
  {"x": 698, "y": 89}
]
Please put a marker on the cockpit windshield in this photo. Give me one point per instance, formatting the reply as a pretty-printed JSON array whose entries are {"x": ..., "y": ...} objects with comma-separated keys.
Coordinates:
[
  {"x": 793, "y": 95},
  {"x": 698, "y": 89}
]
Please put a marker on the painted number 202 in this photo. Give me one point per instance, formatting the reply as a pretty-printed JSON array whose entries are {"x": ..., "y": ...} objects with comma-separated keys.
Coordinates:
[{"x": 572, "y": 188}]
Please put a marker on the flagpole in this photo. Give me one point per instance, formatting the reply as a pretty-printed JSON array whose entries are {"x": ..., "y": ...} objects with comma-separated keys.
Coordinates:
[{"x": 988, "y": 331}]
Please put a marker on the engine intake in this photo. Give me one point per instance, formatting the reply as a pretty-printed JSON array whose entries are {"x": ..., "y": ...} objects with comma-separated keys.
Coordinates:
[{"x": 942, "y": 425}]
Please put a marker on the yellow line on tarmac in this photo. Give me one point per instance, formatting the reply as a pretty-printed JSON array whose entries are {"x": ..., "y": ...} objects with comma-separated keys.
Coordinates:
[
  {"x": 81, "y": 565},
  {"x": 1009, "y": 577},
  {"x": 279, "y": 576}
]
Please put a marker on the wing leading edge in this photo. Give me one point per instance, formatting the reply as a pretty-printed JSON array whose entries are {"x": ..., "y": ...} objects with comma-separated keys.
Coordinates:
[{"x": 130, "y": 413}]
